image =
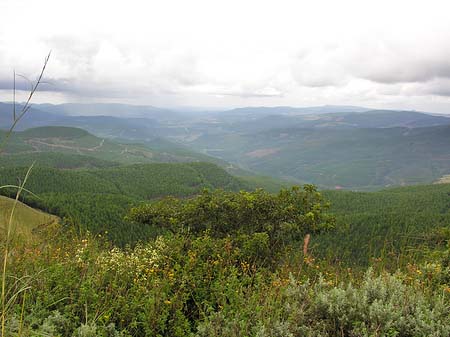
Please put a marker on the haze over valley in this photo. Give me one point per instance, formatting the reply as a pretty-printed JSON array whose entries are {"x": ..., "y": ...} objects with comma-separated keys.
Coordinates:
[{"x": 342, "y": 147}]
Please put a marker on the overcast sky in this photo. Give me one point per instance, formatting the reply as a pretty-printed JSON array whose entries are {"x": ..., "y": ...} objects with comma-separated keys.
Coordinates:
[{"x": 384, "y": 54}]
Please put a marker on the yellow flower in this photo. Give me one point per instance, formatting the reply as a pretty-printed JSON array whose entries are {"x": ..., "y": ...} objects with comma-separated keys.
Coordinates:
[{"x": 167, "y": 302}]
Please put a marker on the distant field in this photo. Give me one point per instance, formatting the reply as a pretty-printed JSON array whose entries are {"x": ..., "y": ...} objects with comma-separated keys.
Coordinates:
[{"x": 26, "y": 220}]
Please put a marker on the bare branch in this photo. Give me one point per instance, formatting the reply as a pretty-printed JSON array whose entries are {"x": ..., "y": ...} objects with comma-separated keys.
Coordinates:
[{"x": 27, "y": 104}]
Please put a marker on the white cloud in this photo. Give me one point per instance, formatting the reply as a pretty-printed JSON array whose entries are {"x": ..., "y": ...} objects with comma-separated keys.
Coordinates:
[{"x": 228, "y": 53}]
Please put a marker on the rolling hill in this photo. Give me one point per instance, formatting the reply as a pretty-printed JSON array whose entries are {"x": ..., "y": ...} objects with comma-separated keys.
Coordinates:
[
  {"x": 354, "y": 158},
  {"x": 338, "y": 120},
  {"x": 98, "y": 199},
  {"x": 391, "y": 222},
  {"x": 76, "y": 144}
]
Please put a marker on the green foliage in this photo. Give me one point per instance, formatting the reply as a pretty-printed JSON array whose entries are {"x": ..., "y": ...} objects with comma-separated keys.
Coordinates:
[
  {"x": 394, "y": 225},
  {"x": 381, "y": 306},
  {"x": 186, "y": 285},
  {"x": 54, "y": 160},
  {"x": 98, "y": 199},
  {"x": 143, "y": 181},
  {"x": 269, "y": 184},
  {"x": 284, "y": 217}
]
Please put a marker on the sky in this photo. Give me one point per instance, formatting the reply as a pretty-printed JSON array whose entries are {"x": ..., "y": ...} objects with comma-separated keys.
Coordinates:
[{"x": 222, "y": 54}]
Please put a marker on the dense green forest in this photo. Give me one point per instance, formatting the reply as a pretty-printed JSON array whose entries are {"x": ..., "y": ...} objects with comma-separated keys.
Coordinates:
[
  {"x": 387, "y": 223},
  {"x": 54, "y": 159},
  {"x": 98, "y": 199},
  {"x": 372, "y": 224},
  {"x": 356, "y": 159}
]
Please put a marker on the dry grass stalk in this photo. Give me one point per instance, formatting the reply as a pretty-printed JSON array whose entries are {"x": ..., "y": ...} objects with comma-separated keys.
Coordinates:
[{"x": 6, "y": 303}]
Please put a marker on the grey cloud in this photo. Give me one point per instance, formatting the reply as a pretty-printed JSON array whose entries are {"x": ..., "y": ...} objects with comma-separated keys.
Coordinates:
[
  {"x": 320, "y": 67},
  {"x": 404, "y": 71},
  {"x": 374, "y": 59},
  {"x": 246, "y": 94},
  {"x": 390, "y": 62},
  {"x": 437, "y": 87}
]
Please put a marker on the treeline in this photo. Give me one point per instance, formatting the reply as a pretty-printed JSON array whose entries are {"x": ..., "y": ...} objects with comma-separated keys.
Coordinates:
[
  {"x": 98, "y": 199},
  {"x": 145, "y": 181},
  {"x": 393, "y": 222},
  {"x": 53, "y": 159}
]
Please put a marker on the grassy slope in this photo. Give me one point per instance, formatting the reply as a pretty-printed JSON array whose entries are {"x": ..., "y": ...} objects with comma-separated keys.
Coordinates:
[{"x": 26, "y": 220}]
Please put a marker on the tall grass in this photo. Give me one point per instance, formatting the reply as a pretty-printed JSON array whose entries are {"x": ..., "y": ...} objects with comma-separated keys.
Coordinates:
[{"x": 8, "y": 296}]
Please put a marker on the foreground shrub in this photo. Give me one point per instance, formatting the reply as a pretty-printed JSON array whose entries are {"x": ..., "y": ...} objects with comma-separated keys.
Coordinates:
[
  {"x": 380, "y": 306},
  {"x": 285, "y": 217},
  {"x": 184, "y": 285}
]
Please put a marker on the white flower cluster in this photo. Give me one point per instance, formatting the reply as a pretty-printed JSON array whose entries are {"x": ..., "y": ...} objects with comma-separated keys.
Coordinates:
[
  {"x": 136, "y": 263},
  {"x": 81, "y": 251}
]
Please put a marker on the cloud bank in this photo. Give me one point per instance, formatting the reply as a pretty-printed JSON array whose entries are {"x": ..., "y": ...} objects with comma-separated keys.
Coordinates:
[{"x": 232, "y": 53}]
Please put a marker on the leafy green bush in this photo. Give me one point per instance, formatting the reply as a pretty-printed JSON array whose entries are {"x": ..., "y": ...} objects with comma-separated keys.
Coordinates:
[{"x": 284, "y": 218}]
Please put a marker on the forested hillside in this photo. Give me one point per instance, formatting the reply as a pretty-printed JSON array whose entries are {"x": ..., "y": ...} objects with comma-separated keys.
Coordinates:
[
  {"x": 98, "y": 199},
  {"x": 39, "y": 142},
  {"x": 361, "y": 159},
  {"x": 344, "y": 147},
  {"x": 391, "y": 222}
]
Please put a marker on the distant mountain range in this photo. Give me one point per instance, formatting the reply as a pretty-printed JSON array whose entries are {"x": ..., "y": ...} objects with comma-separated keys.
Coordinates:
[
  {"x": 331, "y": 146},
  {"x": 288, "y": 110}
]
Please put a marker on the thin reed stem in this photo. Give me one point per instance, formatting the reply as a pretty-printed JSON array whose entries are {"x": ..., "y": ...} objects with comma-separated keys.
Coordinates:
[
  {"x": 6, "y": 249},
  {"x": 20, "y": 188}
]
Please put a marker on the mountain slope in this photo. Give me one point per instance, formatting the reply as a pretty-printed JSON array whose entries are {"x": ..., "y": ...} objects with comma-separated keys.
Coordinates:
[
  {"x": 98, "y": 199},
  {"x": 376, "y": 224},
  {"x": 40, "y": 141},
  {"x": 351, "y": 158},
  {"x": 143, "y": 181}
]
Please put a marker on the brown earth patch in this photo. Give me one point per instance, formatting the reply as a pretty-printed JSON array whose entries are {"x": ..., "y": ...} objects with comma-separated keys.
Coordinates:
[{"x": 262, "y": 152}]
